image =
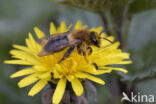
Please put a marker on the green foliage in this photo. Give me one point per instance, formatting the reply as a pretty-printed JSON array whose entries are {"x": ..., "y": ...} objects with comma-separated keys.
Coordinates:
[
  {"x": 94, "y": 5},
  {"x": 141, "y": 5},
  {"x": 115, "y": 6},
  {"x": 142, "y": 44}
]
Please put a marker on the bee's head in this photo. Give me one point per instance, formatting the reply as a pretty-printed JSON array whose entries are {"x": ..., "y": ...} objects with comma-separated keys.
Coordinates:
[{"x": 94, "y": 38}]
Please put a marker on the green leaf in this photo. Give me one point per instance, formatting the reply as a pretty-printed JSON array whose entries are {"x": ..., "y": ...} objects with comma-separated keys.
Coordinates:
[{"x": 141, "y": 43}]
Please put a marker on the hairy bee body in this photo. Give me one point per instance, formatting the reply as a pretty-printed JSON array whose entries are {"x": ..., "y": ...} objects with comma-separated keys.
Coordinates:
[{"x": 81, "y": 39}]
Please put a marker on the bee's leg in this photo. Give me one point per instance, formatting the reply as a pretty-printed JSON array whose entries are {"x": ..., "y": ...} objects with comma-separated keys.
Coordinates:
[
  {"x": 90, "y": 50},
  {"x": 84, "y": 54},
  {"x": 67, "y": 53},
  {"x": 96, "y": 66}
]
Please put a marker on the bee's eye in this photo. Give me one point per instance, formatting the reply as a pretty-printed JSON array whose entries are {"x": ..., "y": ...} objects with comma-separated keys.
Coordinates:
[{"x": 93, "y": 37}]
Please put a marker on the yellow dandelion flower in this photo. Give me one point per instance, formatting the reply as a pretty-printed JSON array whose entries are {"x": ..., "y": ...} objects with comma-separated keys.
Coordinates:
[{"x": 73, "y": 69}]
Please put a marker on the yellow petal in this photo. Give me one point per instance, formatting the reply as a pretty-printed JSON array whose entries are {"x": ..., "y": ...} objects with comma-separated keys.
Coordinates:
[
  {"x": 57, "y": 75},
  {"x": 58, "y": 71},
  {"x": 32, "y": 40},
  {"x": 52, "y": 29},
  {"x": 37, "y": 87},
  {"x": 95, "y": 79},
  {"x": 98, "y": 72},
  {"x": 77, "y": 87},
  {"x": 19, "y": 62},
  {"x": 39, "y": 33},
  {"x": 45, "y": 75},
  {"x": 106, "y": 43},
  {"x": 88, "y": 68},
  {"x": 26, "y": 56},
  {"x": 35, "y": 46},
  {"x": 80, "y": 75},
  {"x": 118, "y": 69},
  {"x": 62, "y": 27},
  {"x": 58, "y": 68},
  {"x": 40, "y": 68},
  {"x": 29, "y": 45},
  {"x": 78, "y": 25},
  {"x": 22, "y": 72},
  {"x": 70, "y": 77},
  {"x": 125, "y": 55},
  {"x": 23, "y": 48},
  {"x": 125, "y": 62},
  {"x": 98, "y": 30},
  {"x": 59, "y": 91},
  {"x": 27, "y": 80},
  {"x": 115, "y": 45},
  {"x": 73, "y": 64}
]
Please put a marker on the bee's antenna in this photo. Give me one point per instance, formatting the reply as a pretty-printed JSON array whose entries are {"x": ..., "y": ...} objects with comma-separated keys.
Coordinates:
[
  {"x": 105, "y": 38},
  {"x": 102, "y": 32},
  {"x": 108, "y": 40}
]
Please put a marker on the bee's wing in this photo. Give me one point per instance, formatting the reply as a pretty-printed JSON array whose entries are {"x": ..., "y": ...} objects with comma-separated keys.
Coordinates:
[
  {"x": 45, "y": 39},
  {"x": 54, "y": 43}
]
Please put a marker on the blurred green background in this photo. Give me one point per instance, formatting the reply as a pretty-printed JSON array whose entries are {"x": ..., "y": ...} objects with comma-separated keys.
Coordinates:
[{"x": 132, "y": 22}]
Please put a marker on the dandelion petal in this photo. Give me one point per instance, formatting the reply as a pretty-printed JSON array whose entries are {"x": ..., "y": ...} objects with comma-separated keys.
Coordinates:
[
  {"x": 19, "y": 62},
  {"x": 118, "y": 69},
  {"x": 52, "y": 29},
  {"x": 99, "y": 72},
  {"x": 22, "y": 72},
  {"x": 97, "y": 80},
  {"x": 27, "y": 81},
  {"x": 77, "y": 87},
  {"x": 78, "y": 25},
  {"x": 38, "y": 32},
  {"x": 59, "y": 91},
  {"x": 62, "y": 27},
  {"x": 37, "y": 87}
]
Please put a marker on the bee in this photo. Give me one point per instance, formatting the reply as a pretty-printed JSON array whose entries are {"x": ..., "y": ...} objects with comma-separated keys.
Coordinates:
[{"x": 80, "y": 39}]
